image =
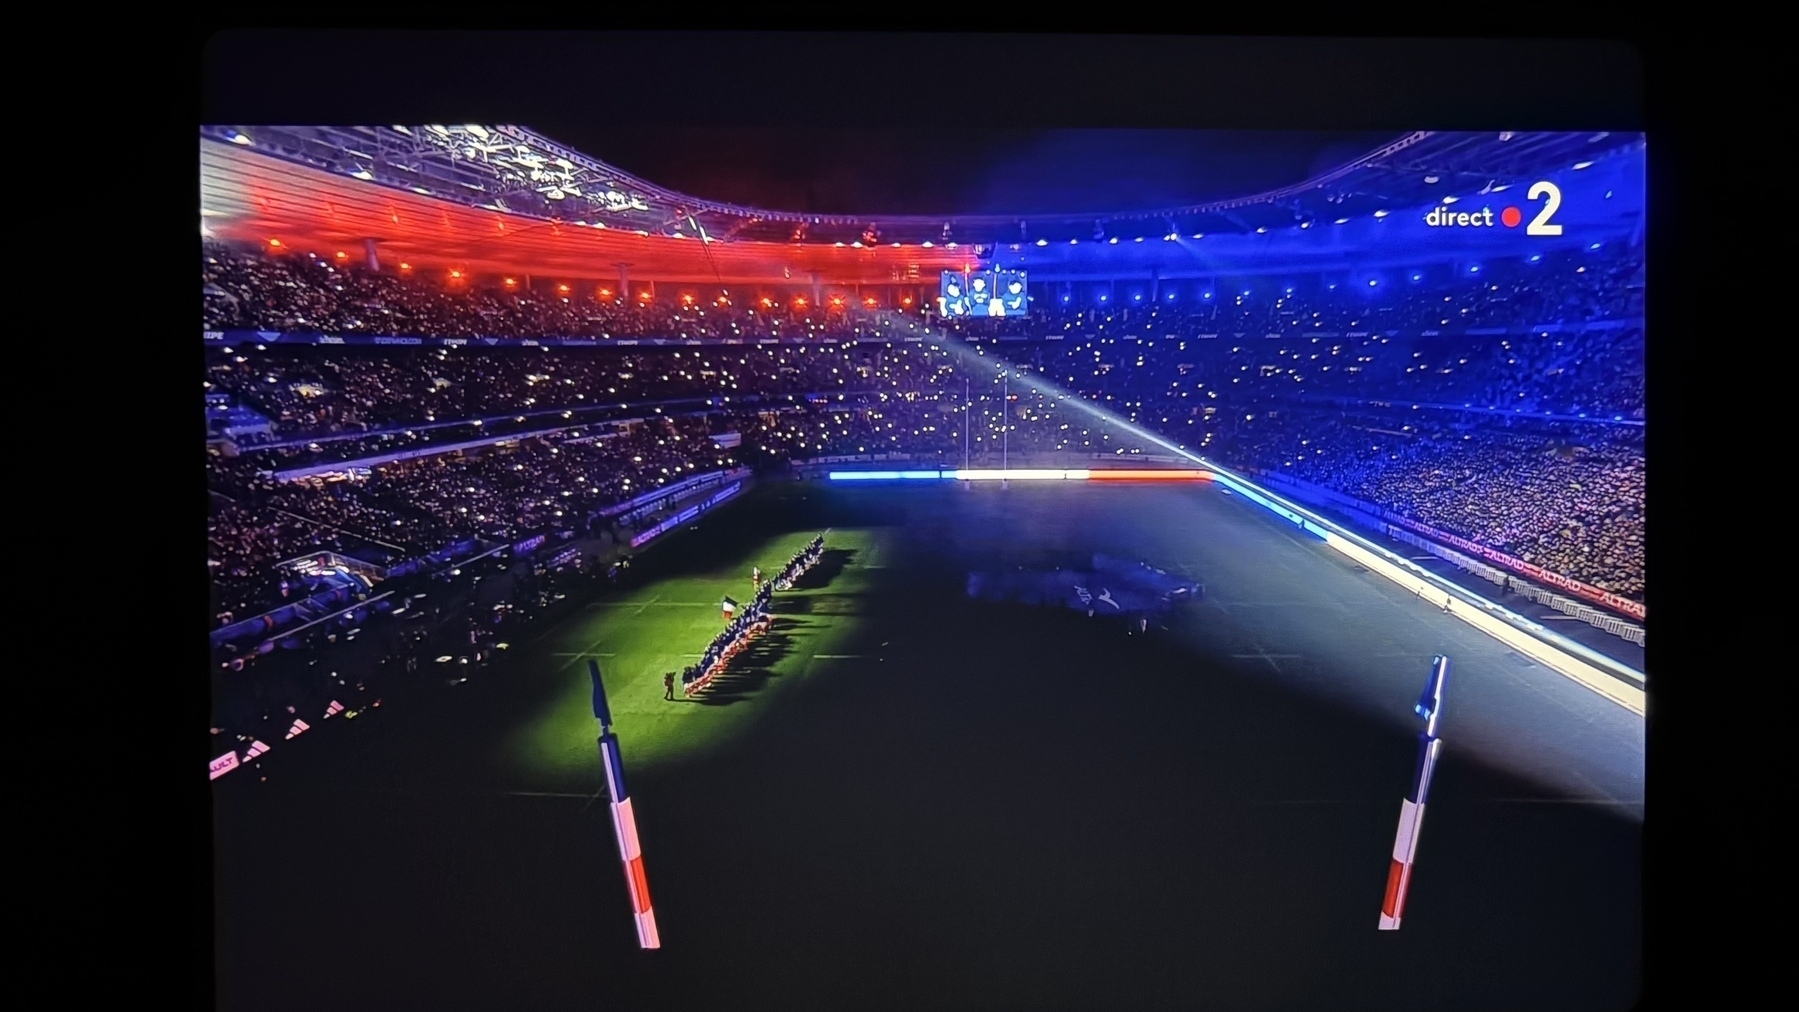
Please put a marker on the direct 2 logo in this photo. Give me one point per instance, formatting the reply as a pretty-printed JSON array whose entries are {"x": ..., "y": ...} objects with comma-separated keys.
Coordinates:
[{"x": 1443, "y": 217}]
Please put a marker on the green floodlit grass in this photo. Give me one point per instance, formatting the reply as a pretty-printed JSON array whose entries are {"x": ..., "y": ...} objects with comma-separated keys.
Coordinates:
[{"x": 663, "y": 627}]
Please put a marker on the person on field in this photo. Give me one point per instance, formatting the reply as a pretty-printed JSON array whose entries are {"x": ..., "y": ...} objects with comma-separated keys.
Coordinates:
[{"x": 668, "y": 685}]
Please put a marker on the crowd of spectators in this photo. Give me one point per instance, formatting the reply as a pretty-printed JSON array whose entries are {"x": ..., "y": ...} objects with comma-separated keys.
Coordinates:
[
  {"x": 244, "y": 290},
  {"x": 1569, "y": 498},
  {"x": 1565, "y": 288},
  {"x": 592, "y": 426},
  {"x": 496, "y": 494}
]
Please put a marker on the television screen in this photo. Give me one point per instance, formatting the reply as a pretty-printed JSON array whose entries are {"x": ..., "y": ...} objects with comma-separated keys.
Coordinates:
[
  {"x": 806, "y": 569},
  {"x": 971, "y": 293}
]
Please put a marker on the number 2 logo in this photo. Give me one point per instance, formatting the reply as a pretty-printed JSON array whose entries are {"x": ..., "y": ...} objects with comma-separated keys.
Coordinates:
[{"x": 1540, "y": 224}]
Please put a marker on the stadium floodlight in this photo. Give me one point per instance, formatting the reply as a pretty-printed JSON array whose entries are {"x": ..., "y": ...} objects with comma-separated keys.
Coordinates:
[
  {"x": 362, "y": 174},
  {"x": 1342, "y": 221},
  {"x": 1381, "y": 213},
  {"x": 1450, "y": 200},
  {"x": 1582, "y": 165},
  {"x": 1430, "y": 179},
  {"x": 239, "y": 138}
]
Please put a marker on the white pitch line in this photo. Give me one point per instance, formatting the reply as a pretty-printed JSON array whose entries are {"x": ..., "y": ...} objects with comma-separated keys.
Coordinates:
[
  {"x": 546, "y": 794},
  {"x": 657, "y": 604},
  {"x": 839, "y": 657}
]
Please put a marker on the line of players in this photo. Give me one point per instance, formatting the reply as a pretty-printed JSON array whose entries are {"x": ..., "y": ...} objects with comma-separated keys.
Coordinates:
[{"x": 745, "y": 622}]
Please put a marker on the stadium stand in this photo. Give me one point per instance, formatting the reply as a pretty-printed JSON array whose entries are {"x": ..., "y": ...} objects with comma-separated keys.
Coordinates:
[{"x": 1441, "y": 399}]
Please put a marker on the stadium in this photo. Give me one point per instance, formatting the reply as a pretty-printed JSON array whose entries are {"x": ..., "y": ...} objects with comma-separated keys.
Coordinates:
[{"x": 985, "y": 610}]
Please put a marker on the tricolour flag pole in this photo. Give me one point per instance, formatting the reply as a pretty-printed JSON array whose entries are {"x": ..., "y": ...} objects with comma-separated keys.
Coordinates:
[
  {"x": 624, "y": 823},
  {"x": 1411, "y": 810}
]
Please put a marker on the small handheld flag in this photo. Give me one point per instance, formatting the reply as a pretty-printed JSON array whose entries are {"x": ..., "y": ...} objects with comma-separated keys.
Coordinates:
[
  {"x": 1411, "y": 810},
  {"x": 601, "y": 712},
  {"x": 624, "y": 820},
  {"x": 728, "y": 606}
]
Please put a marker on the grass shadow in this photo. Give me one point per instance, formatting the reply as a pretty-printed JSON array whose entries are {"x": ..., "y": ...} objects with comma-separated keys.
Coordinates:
[
  {"x": 831, "y": 563},
  {"x": 749, "y": 671}
]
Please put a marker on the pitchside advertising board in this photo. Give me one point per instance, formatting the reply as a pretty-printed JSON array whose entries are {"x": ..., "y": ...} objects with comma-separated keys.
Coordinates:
[{"x": 996, "y": 292}]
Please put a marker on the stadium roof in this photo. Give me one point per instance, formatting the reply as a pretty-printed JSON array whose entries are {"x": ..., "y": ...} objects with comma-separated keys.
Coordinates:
[{"x": 502, "y": 198}]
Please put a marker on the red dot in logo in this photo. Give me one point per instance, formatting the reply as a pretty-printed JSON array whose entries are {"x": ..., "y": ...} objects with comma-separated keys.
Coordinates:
[{"x": 1511, "y": 217}]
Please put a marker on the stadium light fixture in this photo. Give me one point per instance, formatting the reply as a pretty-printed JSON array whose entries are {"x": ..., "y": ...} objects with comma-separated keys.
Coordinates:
[
  {"x": 926, "y": 244},
  {"x": 1043, "y": 242},
  {"x": 1381, "y": 213},
  {"x": 1261, "y": 230},
  {"x": 275, "y": 243},
  {"x": 1450, "y": 200},
  {"x": 1582, "y": 165},
  {"x": 1113, "y": 241},
  {"x": 1430, "y": 179},
  {"x": 1341, "y": 221}
]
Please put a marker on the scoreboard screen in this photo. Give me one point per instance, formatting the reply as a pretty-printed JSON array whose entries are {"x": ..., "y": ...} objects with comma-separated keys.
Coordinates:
[{"x": 983, "y": 293}]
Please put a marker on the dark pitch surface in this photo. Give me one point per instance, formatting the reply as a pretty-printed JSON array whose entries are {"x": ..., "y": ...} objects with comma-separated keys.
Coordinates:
[{"x": 1000, "y": 809}]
